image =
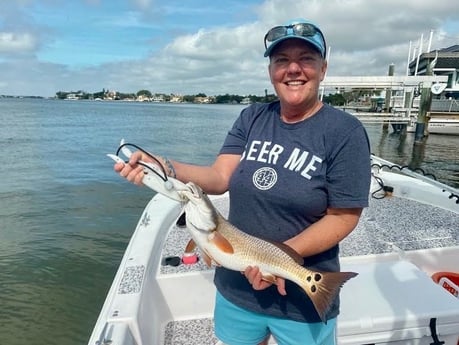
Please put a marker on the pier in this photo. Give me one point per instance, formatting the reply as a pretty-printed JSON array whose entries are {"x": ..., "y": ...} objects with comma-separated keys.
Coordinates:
[
  {"x": 389, "y": 118},
  {"x": 390, "y": 83}
]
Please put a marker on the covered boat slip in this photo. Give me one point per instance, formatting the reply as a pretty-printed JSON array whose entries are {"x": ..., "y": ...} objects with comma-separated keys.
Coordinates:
[{"x": 397, "y": 245}]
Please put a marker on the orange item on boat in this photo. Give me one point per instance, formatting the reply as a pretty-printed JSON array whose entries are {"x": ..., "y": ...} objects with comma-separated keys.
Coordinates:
[{"x": 448, "y": 280}]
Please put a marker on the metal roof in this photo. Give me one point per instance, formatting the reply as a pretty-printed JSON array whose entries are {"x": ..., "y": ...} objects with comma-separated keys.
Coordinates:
[{"x": 447, "y": 58}]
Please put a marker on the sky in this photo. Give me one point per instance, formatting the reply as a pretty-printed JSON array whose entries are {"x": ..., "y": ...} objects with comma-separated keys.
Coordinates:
[{"x": 196, "y": 46}]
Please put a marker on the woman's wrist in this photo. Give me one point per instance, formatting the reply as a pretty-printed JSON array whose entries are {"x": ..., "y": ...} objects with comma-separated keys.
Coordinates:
[{"x": 167, "y": 166}]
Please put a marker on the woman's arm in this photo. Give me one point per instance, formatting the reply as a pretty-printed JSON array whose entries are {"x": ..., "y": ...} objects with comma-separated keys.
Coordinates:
[
  {"x": 327, "y": 232},
  {"x": 213, "y": 179},
  {"x": 317, "y": 238}
]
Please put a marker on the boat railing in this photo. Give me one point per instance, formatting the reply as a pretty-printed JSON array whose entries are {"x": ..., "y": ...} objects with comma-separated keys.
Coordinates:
[{"x": 453, "y": 192}]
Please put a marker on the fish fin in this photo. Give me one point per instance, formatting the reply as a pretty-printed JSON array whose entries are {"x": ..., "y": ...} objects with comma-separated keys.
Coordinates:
[
  {"x": 289, "y": 251},
  {"x": 217, "y": 263},
  {"x": 323, "y": 287},
  {"x": 269, "y": 278},
  {"x": 207, "y": 259},
  {"x": 221, "y": 242},
  {"x": 191, "y": 245}
]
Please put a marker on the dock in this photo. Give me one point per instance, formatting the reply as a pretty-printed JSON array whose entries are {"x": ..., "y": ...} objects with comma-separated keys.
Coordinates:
[
  {"x": 389, "y": 118},
  {"x": 398, "y": 116}
]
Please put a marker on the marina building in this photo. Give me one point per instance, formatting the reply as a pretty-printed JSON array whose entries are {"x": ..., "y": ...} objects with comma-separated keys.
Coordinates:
[{"x": 443, "y": 62}]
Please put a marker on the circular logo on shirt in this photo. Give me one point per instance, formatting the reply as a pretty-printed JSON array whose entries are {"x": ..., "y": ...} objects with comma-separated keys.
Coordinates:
[{"x": 264, "y": 178}]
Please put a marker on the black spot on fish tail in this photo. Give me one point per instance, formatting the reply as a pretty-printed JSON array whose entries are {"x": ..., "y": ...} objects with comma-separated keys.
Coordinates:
[{"x": 323, "y": 288}]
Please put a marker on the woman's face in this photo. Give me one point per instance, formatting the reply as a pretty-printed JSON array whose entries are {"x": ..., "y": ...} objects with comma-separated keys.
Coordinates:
[{"x": 296, "y": 70}]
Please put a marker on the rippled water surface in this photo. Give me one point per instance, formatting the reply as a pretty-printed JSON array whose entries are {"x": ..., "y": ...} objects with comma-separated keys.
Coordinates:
[{"x": 66, "y": 217}]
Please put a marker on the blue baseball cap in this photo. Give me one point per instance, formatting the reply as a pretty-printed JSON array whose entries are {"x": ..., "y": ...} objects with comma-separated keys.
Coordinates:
[{"x": 299, "y": 29}]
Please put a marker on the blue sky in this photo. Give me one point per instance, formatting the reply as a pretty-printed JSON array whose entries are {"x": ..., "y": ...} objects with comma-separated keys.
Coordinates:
[
  {"x": 187, "y": 46},
  {"x": 107, "y": 31}
]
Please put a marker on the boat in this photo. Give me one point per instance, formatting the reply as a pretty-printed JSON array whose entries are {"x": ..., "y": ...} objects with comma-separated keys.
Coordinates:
[
  {"x": 446, "y": 125},
  {"x": 439, "y": 124},
  {"x": 407, "y": 236}
]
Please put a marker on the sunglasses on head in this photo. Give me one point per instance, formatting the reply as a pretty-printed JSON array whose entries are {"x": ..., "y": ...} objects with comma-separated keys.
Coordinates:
[{"x": 300, "y": 30}]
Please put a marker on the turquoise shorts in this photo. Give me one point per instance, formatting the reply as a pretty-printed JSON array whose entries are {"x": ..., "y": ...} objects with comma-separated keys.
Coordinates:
[{"x": 238, "y": 326}]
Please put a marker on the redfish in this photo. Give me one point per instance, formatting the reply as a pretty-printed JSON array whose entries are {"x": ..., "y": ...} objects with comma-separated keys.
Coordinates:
[{"x": 227, "y": 246}]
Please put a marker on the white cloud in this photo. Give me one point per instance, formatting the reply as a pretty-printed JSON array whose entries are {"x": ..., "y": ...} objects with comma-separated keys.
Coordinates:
[
  {"x": 215, "y": 44},
  {"x": 364, "y": 36},
  {"x": 11, "y": 42},
  {"x": 143, "y": 4}
]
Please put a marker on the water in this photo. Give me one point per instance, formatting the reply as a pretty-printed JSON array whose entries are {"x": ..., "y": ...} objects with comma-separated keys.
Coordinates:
[{"x": 66, "y": 217}]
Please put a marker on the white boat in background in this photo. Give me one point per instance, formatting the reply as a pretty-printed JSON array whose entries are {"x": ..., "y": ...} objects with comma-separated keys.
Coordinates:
[
  {"x": 409, "y": 233},
  {"x": 439, "y": 123},
  {"x": 444, "y": 126}
]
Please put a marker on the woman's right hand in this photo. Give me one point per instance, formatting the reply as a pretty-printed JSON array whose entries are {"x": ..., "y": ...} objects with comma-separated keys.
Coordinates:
[{"x": 132, "y": 171}]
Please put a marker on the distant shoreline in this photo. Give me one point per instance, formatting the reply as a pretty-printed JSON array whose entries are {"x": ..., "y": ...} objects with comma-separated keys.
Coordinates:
[{"x": 34, "y": 97}]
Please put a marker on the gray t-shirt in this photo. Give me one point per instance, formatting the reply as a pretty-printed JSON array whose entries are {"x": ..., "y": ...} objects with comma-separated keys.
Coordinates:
[{"x": 288, "y": 175}]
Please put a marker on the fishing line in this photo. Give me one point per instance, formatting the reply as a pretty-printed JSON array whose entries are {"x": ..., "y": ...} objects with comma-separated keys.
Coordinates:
[{"x": 164, "y": 178}]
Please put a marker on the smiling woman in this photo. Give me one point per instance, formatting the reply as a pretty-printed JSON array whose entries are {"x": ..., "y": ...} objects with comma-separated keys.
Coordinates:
[
  {"x": 285, "y": 166},
  {"x": 296, "y": 70}
]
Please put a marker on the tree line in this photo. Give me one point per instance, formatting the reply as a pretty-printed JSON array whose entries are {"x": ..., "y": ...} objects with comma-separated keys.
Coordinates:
[
  {"x": 340, "y": 98},
  {"x": 148, "y": 95}
]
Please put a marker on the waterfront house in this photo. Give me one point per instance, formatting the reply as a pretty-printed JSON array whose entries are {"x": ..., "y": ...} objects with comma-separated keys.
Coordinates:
[{"x": 447, "y": 63}]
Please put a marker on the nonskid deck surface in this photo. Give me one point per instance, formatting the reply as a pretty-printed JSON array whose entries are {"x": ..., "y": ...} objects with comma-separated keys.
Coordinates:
[
  {"x": 190, "y": 332},
  {"x": 406, "y": 224}
]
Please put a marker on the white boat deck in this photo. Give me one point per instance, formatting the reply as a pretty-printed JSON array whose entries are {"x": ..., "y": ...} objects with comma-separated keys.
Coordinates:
[{"x": 399, "y": 242}]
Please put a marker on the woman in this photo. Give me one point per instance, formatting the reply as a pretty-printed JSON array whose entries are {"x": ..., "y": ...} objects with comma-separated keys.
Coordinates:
[{"x": 298, "y": 172}]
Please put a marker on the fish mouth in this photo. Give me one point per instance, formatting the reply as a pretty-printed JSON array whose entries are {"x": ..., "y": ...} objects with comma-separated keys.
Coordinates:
[
  {"x": 199, "y": 214},
  {"x": 195, "y": 190},
  {"x": 192, "y": 193}
]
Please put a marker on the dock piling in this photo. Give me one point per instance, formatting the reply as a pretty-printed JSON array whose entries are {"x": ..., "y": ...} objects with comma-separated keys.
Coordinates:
[
  {"x": 390, "y": 73},
  {"x": 422, "y": 120}
]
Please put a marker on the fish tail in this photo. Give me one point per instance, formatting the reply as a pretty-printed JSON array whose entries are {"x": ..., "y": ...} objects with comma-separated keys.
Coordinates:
[{"x": 323, "y": 287}]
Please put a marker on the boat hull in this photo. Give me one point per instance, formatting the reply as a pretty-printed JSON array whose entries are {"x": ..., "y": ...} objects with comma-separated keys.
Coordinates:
[{"x": 448, "y": 126}]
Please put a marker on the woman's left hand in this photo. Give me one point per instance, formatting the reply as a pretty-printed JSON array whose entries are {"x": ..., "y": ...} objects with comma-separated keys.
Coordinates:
[{"x": 255, "y": 278}]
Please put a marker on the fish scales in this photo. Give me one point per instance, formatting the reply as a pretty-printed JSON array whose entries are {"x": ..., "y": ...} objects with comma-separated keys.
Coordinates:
[
  {"x": 234, "y": 249},
  {"x": 254, "y": 251}
]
